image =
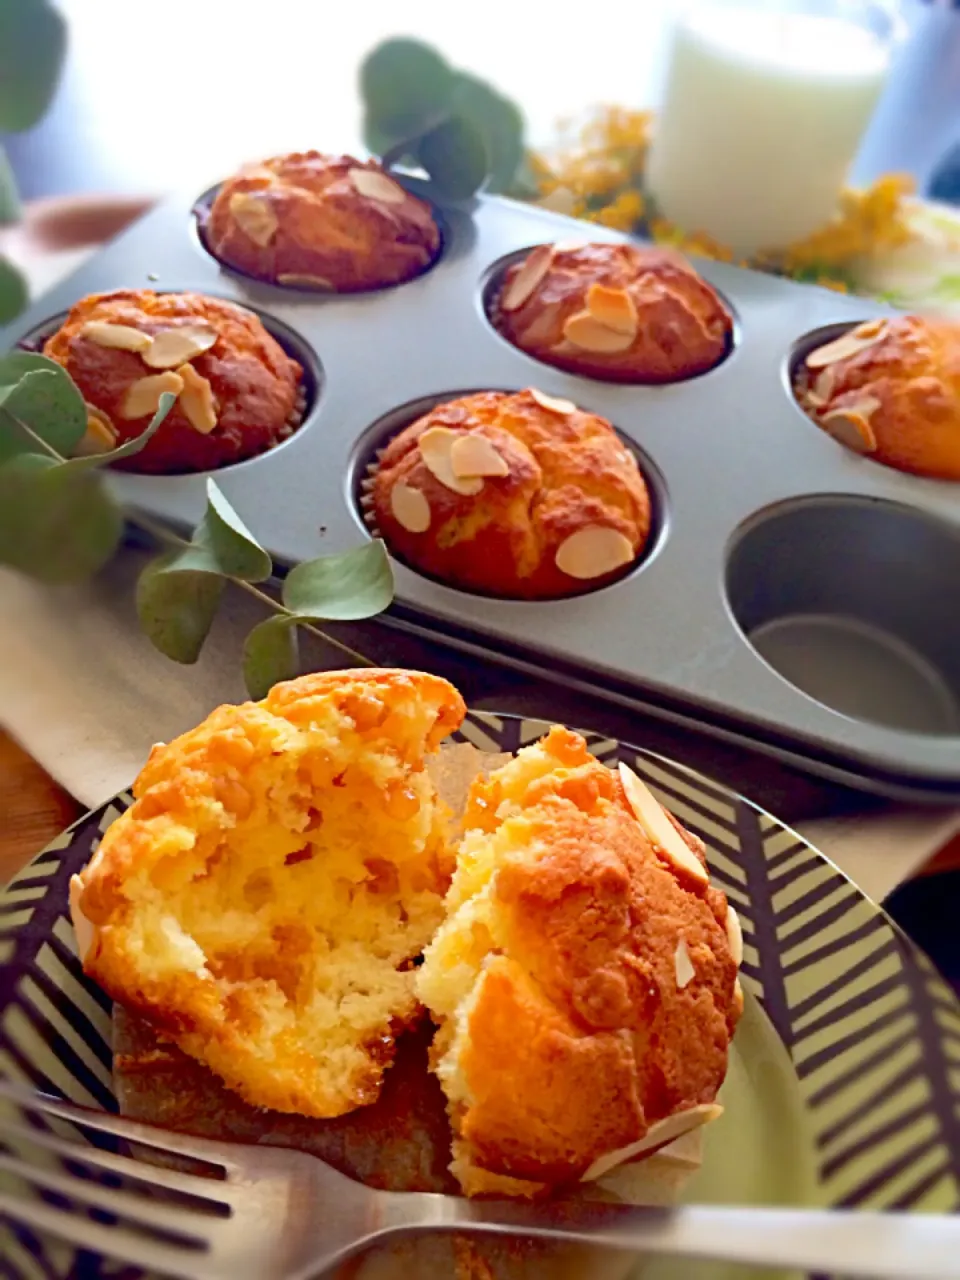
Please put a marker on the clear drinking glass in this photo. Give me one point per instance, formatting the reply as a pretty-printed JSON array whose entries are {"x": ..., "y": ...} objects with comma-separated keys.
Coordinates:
[{"x": 763, "y": 110}]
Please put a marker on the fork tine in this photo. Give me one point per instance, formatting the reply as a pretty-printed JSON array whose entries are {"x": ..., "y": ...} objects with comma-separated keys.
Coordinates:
[
  {"x": 157, "y": 1175},
  {"x": 103, "y": 1122},
  {"x": 126, "y": 1204},
  {"x": 111, "y": 1242}
]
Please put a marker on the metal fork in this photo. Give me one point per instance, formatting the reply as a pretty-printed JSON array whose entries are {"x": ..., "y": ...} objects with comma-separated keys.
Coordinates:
[{"x": 278, "y": 1214}]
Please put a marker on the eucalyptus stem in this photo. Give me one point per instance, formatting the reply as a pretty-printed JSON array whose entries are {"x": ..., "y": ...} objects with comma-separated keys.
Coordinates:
[
  {"x": 160, "y": 531},
  {"x": 37, "y": 439}
]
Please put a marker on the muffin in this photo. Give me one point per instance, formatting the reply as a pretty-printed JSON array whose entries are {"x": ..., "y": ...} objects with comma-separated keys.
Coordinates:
[
  {"x": 890, "y": 389},
  {"x": 321, "y": 222},
  {"x": 238, "y": 392},
  {"x": 263, "y": 900},
  {"x": 515, "y": 494},
  {"x": 620, "y": 312},
  {"x": 584, "y": 980}
]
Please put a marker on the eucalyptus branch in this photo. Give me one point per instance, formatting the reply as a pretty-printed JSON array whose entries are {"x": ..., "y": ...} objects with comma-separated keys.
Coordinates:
[
  {"x": 61, "y": 522},
  {"x": 164, "y": 534}
]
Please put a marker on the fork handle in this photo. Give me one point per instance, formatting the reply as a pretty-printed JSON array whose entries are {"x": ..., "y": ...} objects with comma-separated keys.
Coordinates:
[{"x": 850, "y": 1243}]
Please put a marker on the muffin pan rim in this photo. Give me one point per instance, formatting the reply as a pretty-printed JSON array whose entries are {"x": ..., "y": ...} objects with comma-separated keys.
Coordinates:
[{"x": 652, "y": 422}]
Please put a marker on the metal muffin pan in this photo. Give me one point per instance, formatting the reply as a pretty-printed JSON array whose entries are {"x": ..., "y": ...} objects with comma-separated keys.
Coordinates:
[{"x": 842, "y": 571}]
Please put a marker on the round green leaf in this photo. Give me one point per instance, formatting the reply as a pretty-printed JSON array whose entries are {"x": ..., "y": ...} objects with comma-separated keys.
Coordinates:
[
  {"x": 406, "y": 88},
  {"x": 13, "y": 292},
  {"x": 95, "y": 460},
  {"x": 455, "y": 157},
  {"x": 33, "y": 41},
  {"x": 176, "y": 608},
  {"x": 222, "y": 543},
  {"x": 271, "y": 653},
  {"x": 499, "y": 123},
  {"x": 353, "y": 584},
  {"x": 55, "y": 525},
  {"x": 46, "y": 401},
  {"x": 9, "y": 200}
]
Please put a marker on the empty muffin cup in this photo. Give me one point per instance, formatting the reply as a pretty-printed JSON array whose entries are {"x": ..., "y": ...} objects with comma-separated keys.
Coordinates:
[{"x": 853, "y": 601}]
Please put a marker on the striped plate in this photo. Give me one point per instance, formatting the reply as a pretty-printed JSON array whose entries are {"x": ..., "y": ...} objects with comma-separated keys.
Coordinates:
[{"x": 844, "y": 1083}]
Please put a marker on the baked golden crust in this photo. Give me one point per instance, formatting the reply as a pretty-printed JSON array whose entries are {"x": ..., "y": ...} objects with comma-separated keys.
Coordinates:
[
  {"x": 308, "y": 219},
  {"x": 566, "y": 471},
  {"x": 890, "y": 389},
  {"x": 620, "y": 312},
  {"x": 281, "y": 866},
  {"x": 585, "y": 987},
  {"x": 253, "y": 382}
]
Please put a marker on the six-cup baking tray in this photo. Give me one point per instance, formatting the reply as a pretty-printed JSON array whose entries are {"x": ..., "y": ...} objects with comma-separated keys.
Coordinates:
[{"x": 838, "y": 568}]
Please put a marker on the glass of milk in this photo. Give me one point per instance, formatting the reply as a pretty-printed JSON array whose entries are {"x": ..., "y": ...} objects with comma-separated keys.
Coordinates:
[{"x": 764, "y": 106}]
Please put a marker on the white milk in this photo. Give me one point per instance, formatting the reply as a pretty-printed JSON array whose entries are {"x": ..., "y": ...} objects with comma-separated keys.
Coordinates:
[{"x": 761, "y": 117}]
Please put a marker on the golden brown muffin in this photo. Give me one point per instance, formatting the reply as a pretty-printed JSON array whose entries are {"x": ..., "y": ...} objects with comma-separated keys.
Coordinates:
[
  {"x": 513, "y": 493},
  {"x": 321, "y": 222},
  {"x": 890, "y": 389},
  {"x": 620, "y": 312},
  {"x": 238, "y": 392},
  {"x": 585, "y": 979},
  {"x": 262, "y": 900}
]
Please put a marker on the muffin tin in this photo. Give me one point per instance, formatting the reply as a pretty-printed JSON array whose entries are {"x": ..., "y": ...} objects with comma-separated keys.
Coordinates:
[{"x": 777, "y": 551}]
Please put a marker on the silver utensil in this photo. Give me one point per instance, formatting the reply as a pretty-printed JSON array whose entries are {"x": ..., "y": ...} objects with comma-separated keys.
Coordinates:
[{"x": 265, "y": 1213}]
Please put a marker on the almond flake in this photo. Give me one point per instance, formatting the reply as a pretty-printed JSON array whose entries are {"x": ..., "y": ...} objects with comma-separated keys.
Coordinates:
[
  {"x": 593, "y": 552},
  {"x": 738, "y": 997},
  {"x": 850, "y": 426},
  {"x": 660, "y": 831},
  {"x": 436, "y": 446},
  {"x": 848, "y": 344},
  {"x": 823, "y": 387},
  {"x": 473, "y": 455},
  {"x": 553, "y": 404},
  {"x": 377, "y": 186},
  {"x": 683, "y": 966},
  {"x": 254, "y": 215},
  {"x": 614, "y": 308},
  {"x": 535, "y": 267},
  {"x": 658, "y": 1135},
  {"x": 83, "y": 927},
  {"x": 870, "y": 328},
  {"x": 299, "y": 280},
  {"x": 197, "y": 401},
  {"x": 410, "y": 508},
  {"x": 143, "y": 396},
  {"x": 99, "y": 437},
  {"x": 734, "y": 935},
  {"x": 122, "y": 337},
  {"x": 173, "y": 347},
  {"x": 586, "y": 332}
]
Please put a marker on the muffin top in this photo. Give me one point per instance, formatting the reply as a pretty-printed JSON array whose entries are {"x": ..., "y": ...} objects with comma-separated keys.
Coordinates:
[
  {"x": 585, "y": 978},
  {"x": 321, "y": 222},
  {"x": 890, "y": 389},
  {"x": 281, "y": 866},
  {"x": 237, "y": 390},
  {"x": 619, "y": 312},
  {"x": 516, "y": 494}
]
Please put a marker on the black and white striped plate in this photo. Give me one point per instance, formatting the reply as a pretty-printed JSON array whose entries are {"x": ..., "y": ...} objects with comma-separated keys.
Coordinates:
[{"x": 844, "y": 1083}]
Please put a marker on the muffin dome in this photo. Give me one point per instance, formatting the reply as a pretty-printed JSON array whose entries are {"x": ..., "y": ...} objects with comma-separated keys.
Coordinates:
[
  {"x": 238, "y": 392},
  {"x": 619, "y": 312},
  {"x": 890, "y": 389},
  {"x": 516, "y": 494},
  {"x": 321, "y": 222},
  {"x": 584, "y": 980}
]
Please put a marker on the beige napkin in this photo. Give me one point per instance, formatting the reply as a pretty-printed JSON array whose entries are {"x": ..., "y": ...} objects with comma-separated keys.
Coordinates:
[{"x": 87, "y": 696}]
